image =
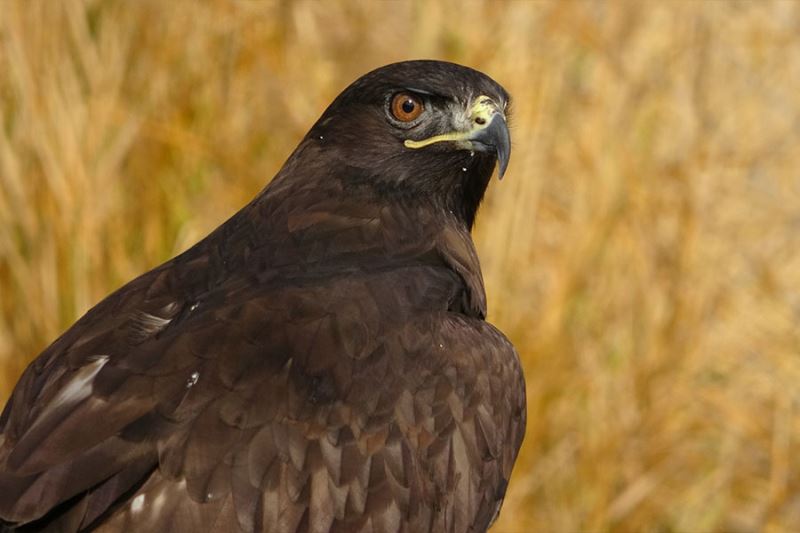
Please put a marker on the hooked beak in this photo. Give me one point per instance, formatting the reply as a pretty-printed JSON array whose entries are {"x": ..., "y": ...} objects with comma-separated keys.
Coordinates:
[
  {"x": 487, "y": 132},
  {"x": 495, "y": 137}
]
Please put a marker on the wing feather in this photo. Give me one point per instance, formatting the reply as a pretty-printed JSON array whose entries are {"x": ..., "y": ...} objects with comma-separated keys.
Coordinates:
[{"x": 350, "y": 402}]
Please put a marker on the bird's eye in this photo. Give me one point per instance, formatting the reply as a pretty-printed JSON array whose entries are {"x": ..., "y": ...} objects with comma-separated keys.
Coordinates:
[{"x": 406, "y": 107}]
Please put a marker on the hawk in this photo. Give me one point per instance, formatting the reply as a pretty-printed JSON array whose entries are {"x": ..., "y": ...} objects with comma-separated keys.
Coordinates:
[{"x": 320, "y": 362}]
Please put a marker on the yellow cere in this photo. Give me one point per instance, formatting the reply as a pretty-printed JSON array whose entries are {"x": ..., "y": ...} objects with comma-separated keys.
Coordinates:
[{"x": 483, "y": 108}]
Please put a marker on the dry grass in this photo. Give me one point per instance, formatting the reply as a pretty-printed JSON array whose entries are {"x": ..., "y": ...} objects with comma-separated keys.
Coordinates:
[{"x": 643, "y": 252}]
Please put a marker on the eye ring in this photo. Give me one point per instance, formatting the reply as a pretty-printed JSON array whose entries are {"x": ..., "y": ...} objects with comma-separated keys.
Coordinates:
[{"x": 406, "y": 107}]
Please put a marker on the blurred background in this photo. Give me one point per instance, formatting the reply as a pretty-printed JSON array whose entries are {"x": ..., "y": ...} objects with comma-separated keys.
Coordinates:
[{"x": 643, "y": 251}]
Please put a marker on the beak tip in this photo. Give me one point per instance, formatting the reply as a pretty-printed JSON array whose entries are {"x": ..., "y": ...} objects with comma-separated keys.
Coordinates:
[
  {"x": 503, "y": 147},
  {"x": 501, "y": 170},
  {"x": 497, "y": 137}
]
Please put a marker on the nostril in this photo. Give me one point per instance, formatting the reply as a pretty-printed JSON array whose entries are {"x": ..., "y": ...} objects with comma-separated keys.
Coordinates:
[{"x": 480, "y": 121}]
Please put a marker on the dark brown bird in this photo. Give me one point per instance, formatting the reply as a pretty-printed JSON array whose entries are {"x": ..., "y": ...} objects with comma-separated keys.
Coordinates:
[{"x": 320, "y": 362}]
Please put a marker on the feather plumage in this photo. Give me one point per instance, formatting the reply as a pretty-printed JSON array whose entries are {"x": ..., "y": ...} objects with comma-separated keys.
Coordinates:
[{"x": 318, "y": 363}]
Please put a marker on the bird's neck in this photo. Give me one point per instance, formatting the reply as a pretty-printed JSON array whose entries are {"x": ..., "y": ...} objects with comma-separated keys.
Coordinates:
[
  {"x": 446, "y": 184},
  {"x": 312, "y": 216}
]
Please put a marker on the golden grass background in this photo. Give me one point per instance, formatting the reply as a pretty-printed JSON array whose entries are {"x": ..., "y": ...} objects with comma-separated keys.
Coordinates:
[{"x": 643, "y": 252}]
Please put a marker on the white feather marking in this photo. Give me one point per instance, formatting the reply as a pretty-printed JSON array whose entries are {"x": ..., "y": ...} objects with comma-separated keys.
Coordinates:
[
  {"x": 159, "y": 502},
  {"x": 148, "y": 323},
  {"x": 78, "y": 388},
  {"x": 137, "y": 504},
  {"x": 192, "y": 381},
  {"x": 170, "y": 308}
]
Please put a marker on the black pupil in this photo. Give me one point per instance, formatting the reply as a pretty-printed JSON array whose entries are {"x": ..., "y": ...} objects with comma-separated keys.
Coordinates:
[{"x": 409, "y": 106}]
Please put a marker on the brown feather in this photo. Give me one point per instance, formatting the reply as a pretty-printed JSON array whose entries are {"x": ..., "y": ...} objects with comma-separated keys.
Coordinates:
[{"x": 318, "y": 363}]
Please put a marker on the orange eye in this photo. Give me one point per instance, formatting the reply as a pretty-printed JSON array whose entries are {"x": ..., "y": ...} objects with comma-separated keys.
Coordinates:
[{"x": 406, "y": 107}]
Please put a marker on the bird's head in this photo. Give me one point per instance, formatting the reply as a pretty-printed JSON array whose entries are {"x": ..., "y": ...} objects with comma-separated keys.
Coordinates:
[{"x": 429, "y": 130}]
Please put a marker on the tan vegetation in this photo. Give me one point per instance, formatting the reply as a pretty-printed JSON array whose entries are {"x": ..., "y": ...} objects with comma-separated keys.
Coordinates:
[{"x": 643, "y": 252}]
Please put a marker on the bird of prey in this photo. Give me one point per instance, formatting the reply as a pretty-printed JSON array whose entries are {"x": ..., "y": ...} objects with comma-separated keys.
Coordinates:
[{"x": 320, "y": 362}]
